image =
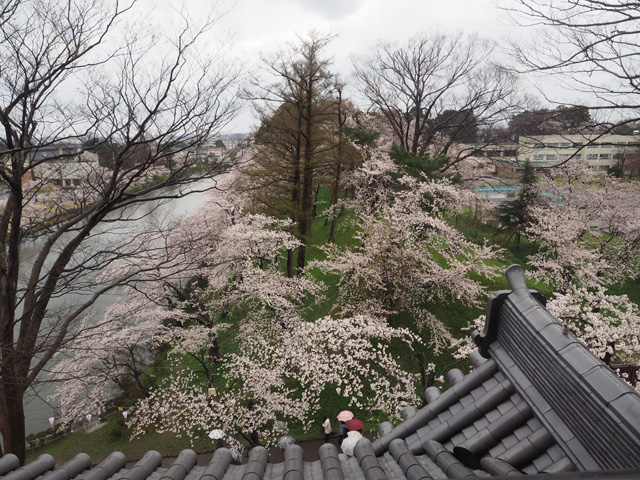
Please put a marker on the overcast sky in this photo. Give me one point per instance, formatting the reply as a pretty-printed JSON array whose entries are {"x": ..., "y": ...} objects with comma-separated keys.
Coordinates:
[{"x": 265, "y": 26}]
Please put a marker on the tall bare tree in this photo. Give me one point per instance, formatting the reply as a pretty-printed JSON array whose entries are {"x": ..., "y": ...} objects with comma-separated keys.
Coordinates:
[
  {"x": 436, "y": 88},
  {"x": 589, "y": 47},
  {"x": 72, "y": 71}
]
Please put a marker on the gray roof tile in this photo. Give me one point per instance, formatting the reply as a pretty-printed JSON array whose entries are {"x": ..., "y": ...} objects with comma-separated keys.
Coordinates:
[
  {"x": 32, "y": 470},
  {"x": 492, "y": 416},
  {"x": 525, "y": 451},
  {"x": 313, "y": 471},
  {"x": 450, "y": 465},
  {"x": 561, "y": 465},
  {"x": 8, "y": 463},
  {"x": 455, "y": 376},
  {"x": 488, "y": 384},
  {"x": 469, "y": 399},
  {"x": 522, "y": 432},
  {"x": 498, "y": 468},
  {"x": 542, "y": 462},
  {"x": 469, "y": 431},
  {"x": 389, "y": 465},
  {"x": 481, "y": 423},
  {"x": 457, "y": 439},
  {"x": 508, "y": 442},
  {"x": 431, "y": 394},
  {"x": 494, "y": 452},
  {"x": 454, "y": 409},
  {"x": 504, "y": 407},
  {"x": 432, "y": 469},
  {"x": 535, "y": 424},
  {"x": 556, "y": 453}
]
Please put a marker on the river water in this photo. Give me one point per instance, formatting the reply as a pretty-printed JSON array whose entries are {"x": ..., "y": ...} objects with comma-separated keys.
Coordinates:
[{"x": 37, "y": 409}]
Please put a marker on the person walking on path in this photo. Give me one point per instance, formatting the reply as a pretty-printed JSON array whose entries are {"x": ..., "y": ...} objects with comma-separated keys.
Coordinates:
[
  {"x": 327, "y": 429},
  {"x": 343, "y": 431}
]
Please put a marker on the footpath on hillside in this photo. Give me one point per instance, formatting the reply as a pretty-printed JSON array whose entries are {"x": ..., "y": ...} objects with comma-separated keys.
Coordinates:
[{"x": 276, "y": 454}]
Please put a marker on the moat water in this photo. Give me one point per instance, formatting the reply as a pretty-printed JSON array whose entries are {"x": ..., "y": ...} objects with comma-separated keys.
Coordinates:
[{"x": 37, "y": 409}]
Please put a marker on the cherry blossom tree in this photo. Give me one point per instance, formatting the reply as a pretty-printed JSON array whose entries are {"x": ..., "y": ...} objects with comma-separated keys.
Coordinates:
[
  {"x": 585, "y": 228},
  {"x": 608, "y": 324},
  {"x": 279, "y": 374},
  {"x": 406, "y": 254},
  {"x": 72, "y": 71},
  {"x": 107, "y": 358},
  {"x": 218, "y": 251},
  {"x": 589, "y": 240},
  {"x": 282, "y": 363}
]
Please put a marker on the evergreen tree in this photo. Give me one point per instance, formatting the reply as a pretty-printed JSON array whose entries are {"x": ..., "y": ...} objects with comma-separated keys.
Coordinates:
[
  {"x": 513, "y": 215},
  {"x": 416, "y": 165},
  {"x": 292, "y": 140}
]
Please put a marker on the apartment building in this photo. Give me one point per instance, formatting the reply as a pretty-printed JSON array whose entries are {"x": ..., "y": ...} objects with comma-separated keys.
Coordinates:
[{"x": 599, "y": 152}]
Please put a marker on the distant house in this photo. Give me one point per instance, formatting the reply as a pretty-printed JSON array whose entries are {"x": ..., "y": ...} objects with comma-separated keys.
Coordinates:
[
  {"x": 537, "y": 403},
  {"x": 211, "y": 151},
  {"x": 62, "y": 165}
]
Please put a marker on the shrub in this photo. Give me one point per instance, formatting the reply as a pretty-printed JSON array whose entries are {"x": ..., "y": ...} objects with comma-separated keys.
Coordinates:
[{"x": 116, "y": 433}]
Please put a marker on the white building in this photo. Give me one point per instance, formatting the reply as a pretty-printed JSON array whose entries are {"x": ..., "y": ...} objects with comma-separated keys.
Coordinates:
[{"x": 62, "y": 165}]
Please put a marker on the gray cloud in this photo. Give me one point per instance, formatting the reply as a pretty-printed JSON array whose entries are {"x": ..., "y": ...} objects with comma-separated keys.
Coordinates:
[{"x": 331, "y": 9}]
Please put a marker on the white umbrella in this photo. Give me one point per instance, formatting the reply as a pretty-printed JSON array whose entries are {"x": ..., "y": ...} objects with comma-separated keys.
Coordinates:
[
  {"x": 216, "y": 434},
  {"x": 236, "y": 455},
  {"x": 348, "y": 444},
  {"x": 354, "y": 434},
  {"x": 285, "y": 441}
]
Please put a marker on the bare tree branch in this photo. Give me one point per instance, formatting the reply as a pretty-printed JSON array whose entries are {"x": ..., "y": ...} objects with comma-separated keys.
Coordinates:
[{"x": 151, "y": 102}]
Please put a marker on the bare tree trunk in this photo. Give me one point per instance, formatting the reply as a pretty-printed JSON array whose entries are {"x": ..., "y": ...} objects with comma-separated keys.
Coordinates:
[
  {"x": 307, "y": 172},
  {"x": 12, "y": 423},
  {"x": 334, "y": 201},
  {"x": 314, "y": 209},
  {"x": 332, "y": 230},
  {"x": 290, "y": 263},
  {"x": 423, "y": 376},
  {"x": 214, "y": 348},
  {"x": 303, "y": 229},
  {"x": 339, "y": 160}
]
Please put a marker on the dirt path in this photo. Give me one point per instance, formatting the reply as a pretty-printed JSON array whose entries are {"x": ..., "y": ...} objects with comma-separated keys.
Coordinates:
[{"x": 276, "y": 455}]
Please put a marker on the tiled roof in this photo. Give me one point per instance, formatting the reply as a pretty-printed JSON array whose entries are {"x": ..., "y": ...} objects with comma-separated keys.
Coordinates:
[{"x": 537, "y": 403}]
